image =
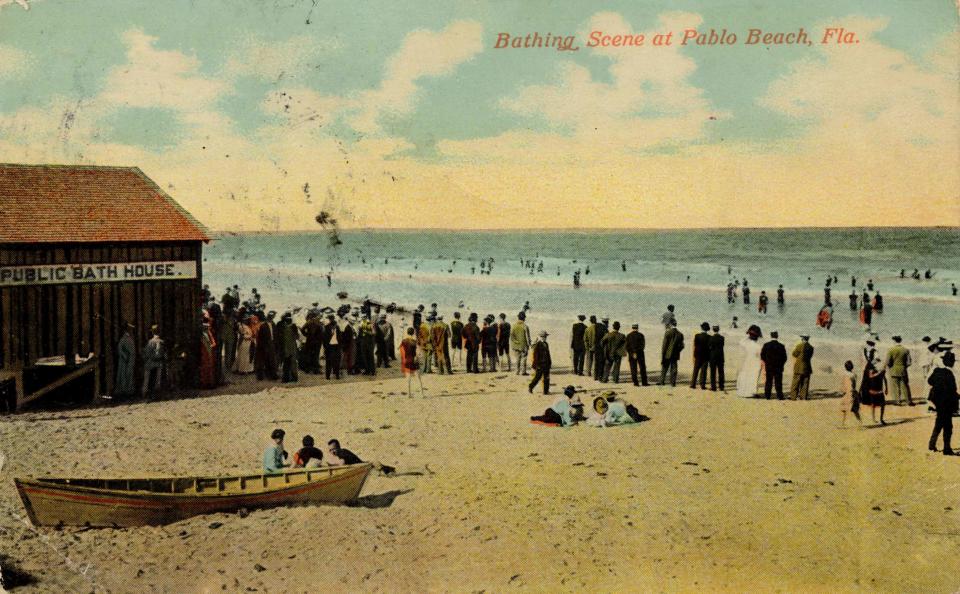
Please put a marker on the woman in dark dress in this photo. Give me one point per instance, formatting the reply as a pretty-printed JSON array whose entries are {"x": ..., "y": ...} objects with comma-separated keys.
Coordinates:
[{"x": 874, "y": 391}]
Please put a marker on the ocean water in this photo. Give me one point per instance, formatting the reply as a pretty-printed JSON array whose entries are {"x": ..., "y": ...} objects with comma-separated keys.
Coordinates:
[{"x": 443, "y": 267}]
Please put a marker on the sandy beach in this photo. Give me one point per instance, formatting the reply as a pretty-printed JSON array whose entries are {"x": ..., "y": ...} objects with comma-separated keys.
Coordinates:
[{"x": 713, "y": 493}]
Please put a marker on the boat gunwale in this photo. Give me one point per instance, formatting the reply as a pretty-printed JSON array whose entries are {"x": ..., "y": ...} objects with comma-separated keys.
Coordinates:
[{"x": 339, "y": 472}]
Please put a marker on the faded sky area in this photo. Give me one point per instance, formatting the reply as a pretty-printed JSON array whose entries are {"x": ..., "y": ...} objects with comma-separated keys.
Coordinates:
[{"x": 257, "y": 115}]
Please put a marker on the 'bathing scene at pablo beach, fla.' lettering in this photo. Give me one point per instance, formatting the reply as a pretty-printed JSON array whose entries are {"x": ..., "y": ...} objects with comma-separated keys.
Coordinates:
[{"x": 401, "y": 296}]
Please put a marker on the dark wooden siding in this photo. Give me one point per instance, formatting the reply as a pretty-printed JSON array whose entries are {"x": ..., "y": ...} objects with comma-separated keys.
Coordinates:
[{"x": 52, "y": 320}]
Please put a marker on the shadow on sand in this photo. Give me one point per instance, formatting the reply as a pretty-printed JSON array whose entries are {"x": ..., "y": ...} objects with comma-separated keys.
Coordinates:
[{"x": 379, "y": 500}]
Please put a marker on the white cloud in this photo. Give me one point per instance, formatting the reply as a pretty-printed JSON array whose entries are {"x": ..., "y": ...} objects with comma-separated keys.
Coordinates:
[
  {"x": 423, "y": 54},
  {"x": 157, "y": 78},
  {"x": 277, "y": 61},
  {"x": 649, "y": 100},
  {"x": 14, "y": 62}
]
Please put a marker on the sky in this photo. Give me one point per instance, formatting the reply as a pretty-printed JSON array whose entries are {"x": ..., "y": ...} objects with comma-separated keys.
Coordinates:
[{"x": 256, "y": 116}]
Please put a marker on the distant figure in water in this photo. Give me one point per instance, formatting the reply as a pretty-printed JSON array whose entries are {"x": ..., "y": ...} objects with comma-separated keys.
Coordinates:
[
  {"x": 853, "y": 300},
  {"x": 903, "y": 273},
  {"x": 780, "y": 299},
  {"x": 762, "y": 302},
  {"x": 329, "y": 281},
  {"x": 870, "y": 285},
  {"x": 587, "y": 271},
  {"x": 953, "y": 289},
  {"x": 688, "y": 278},
  {"x": 733, "y": 322},
  {"x": 623, "y": 265},
  {"x": 853, "y": 281},
  {"x": 746, "y": 294}
]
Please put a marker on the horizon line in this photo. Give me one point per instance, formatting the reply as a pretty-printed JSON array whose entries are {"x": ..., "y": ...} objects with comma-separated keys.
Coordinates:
[{"x": 580, "y": 229}]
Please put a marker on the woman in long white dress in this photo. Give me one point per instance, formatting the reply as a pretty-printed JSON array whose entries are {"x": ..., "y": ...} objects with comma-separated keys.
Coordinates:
[
  {"x": 749, "y": 374},
  {"x": 242, "y": 363}
]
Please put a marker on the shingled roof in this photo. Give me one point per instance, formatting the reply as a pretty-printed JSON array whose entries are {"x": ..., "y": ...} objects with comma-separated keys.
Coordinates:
[{"x": 85, "y": 204}]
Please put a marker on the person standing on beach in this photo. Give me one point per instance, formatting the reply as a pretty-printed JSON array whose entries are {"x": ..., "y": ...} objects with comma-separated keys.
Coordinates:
[
  {"x": 614, "y": 346},
  {"x": 456, "y": 336},
  {"x": 898, "y": 362},
  {"x": 670, "y": 354},
  {"x": 154, "y": 362},
  {"x": 520, "y": 342},
  {"x": 750, "y": 365},
  {"x": 264, "y": 362},
  {"x": 576, "y": 343},
  {"x": 241, "y": 362},
  {"x": 471, "y": 342},
  {"x": 943, "y": 395},
  {"x": 488, "y": 342},
  {"x": 408, "y": 361},
  {"x": 701, "y": 357},
  {"x": 425, "y": 344},
  {"x": 716, "y": 360},
  {"x": 332, "y": 345},
  {"x": 440, "y": 334},
  {"x": 774, "y": 358},
  {"x": 365, "y": 346},
  {"x": 599, "y": 353},
  {"x": 636, "y": 343},
  {"x": 668, "y": 317},
  {"x": 541, "y": 364},
  {"x": 287, "y": 334},
  {"x": 126, "y": 364},
  {"x": 384, "y": 338},
  {"x": 802, "y": 369},
  {"x": 850, "y": 401},
  {"x": 503, "y": 341},
  {"x": 590, "y": 345}
]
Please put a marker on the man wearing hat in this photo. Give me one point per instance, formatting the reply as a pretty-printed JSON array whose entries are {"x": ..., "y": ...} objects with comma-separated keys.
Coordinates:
[
  {"x": 287, "y": 335},
  {"x": 615, "y": 347},
  {"x": 440, "y": 333},
  {"x": 943, "y": 395},
  {"x": 716, "y": 360},
  {"x": 541, "y": 364},
  {"x": 154, "y": 362},
  {"x": 635, "y": 344},
  {"x": 383, "y": 335},
  {"x": 590, "y": 340},
  {"x": 701, "y": 357},
  {"x": 802, "y": 369},
  {"x": 126, "y": 360},
  {"x": 599, "y": 353},
  {"x": 456, "y": 336},
  {"x": 774, "y": 357},
  {"x": 471, "y": 342},
  {"x": 520, "y": 342},
  {"x": 670, "y": 353},
  {"x": 425, "y": 343},
  {"x": 576, "y": 343},
  {"x": 898, "y": 360},
  {"x": 265, "y": 356},
  {"x": 332, "y": 345}
]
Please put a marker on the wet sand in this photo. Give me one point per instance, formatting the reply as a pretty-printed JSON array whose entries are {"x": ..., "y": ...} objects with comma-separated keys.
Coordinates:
[{"x": 714, "y": 493}]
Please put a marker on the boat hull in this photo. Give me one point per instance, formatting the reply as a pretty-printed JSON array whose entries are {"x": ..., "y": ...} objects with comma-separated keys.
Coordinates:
[{"x": 53, "y": 502}]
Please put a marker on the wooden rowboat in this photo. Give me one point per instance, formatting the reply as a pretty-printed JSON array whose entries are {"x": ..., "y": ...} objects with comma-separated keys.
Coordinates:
[{"x": 155, "y": 501}]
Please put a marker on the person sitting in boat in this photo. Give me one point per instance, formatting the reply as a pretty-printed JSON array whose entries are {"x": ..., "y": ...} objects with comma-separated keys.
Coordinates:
[
  {"x": 274, "y": 455},
  {"x": 563, "y": 412},
  {"x": 308, "y": 456},
  {"x": 340, "y": 456}
]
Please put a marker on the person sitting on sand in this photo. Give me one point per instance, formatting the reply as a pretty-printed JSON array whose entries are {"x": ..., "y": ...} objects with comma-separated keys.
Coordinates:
[
  {"x": 340, "y": 456},
  {"x": 608, "y": 411},
  {"x": 274, "y": 455},
  {"x": 562, "y": 412},
  {"x": 308, "y": 456}
]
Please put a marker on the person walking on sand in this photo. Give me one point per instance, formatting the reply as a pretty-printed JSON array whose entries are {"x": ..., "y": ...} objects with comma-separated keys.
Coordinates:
[
  {"x": 576, "y": 343},
  {"x": 750, "y": 365},
  {"x": 670, "y": 354},
  {"x": 520, "y": 342},
  {"x": 802, "y": 369},
  {"x": 541, "y": 364},
  {"x": 898, "y": 362},
  {"x": 590, "y": 340},
  {"x": 943, "y": 395},
  {"x": 716, "y": 360},
  {"x": 615, "y": 347},
  {"x": 774, "y": 358},
  {"x": 636, "y": 343},
  {"x": 701, "y": 357},
  {"x": 408, "y": 361},
  {"x": 850, "y": 401}
]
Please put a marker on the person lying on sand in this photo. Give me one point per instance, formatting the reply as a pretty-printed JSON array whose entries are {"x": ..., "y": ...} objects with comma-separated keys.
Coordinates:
[
  {"x": 565, "y": 410},
  {"x": 609, "y": 411},
  {"x": 339, "y": 456}
]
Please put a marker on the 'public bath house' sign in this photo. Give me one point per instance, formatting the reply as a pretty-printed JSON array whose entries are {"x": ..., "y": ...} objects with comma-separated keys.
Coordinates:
[{"x": 68, "y": 274}]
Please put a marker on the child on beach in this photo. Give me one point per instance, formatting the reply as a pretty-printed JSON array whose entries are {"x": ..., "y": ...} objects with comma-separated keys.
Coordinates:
[{"x": 850, "y": 401}]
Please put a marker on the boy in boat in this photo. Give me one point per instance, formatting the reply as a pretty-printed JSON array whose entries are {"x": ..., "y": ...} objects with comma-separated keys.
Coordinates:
[
  {"x": 339, "y": 456},
  {"x": 308, "y": 456},
  {"x": 274, "y": 455}
]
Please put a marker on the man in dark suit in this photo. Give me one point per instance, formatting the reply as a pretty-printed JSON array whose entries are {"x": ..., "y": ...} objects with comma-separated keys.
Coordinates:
[
  {"x": 716, "y": 359},
  {"x": 599, "y": 354},
  {"x": 541, "y": 364},
  {"x": 943, "y": 395},
  {"x": 701, "y": 357},
  {"x": 774, "y": 357},
  {"x": 265, "y": 357},
  {"x": 332, "y": 346},
  {"x": 576, "y": 344},
  {"x": 670, "y": 354},
  {"x": 635, "y": 345}
]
